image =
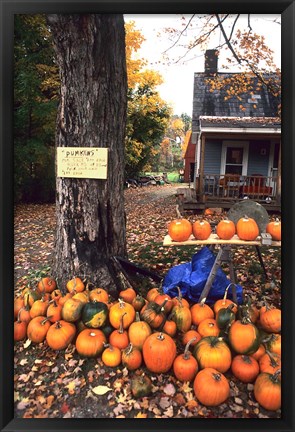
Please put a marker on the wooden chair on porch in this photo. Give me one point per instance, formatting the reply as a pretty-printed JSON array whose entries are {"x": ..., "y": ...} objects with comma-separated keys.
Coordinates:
[{"x": 230, "y": 185}]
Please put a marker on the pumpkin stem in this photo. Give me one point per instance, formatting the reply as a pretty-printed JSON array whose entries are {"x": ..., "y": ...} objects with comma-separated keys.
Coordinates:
[
  {"x": 216, "y": 376},
  {"x": 163, "y": 304},
  {"x": 121, "y": 328},
  {"x": 186, "y": 354},
  {"x": 26, "y": 302},
  {"x": 18, "y": 315},
  {"x": 121, "y": 303},
  {"x": 273, "y": 361},
  {"x": 46, "y": 319},
  {"x": 161, "y": 336},
  {"x": 137, "y": 316},
  {"x": 202, "y": 302},
  {"x": 58, "y": 324},
  {"x": 129, "y": 349},
  {"x": 275, "y": 376},
  {"x": 179, "y": 293}
]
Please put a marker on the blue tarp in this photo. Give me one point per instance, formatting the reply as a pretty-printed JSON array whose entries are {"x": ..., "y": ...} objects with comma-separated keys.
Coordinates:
[{"x": 191, "y": 278}]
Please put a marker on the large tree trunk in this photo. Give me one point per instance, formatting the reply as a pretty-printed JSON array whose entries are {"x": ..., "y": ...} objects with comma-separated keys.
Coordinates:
[{"x": 90, "y": 51}]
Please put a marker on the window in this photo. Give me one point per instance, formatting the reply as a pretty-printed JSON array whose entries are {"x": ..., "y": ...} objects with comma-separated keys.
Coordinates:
[{"x": 234, "y": 157}]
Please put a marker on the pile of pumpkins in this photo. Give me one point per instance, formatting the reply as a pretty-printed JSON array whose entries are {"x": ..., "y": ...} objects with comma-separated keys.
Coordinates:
[
  {"x": 246, "y": 228},
  {"x": 197, "y": 342}
]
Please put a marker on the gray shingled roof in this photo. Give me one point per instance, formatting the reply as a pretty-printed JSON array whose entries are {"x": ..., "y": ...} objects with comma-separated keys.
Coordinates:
[{"x": 240, "y": 122}]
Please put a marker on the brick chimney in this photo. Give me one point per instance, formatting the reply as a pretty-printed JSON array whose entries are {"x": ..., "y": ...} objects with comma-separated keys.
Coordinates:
[{"x": 211, "y": 59}]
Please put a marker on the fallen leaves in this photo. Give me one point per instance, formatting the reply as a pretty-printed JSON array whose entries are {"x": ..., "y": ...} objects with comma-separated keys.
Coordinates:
[{"x": 101, "y": 390}]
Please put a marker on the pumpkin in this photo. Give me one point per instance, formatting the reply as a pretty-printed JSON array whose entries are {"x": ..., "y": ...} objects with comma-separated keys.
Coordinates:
[
  {"x": 117, "y": 310},
  {"x": 244, "y": 337},
  {"x": 182, "y": 317},
  {"x": 90, "y": 342},
  {"x": 75, "y": 284},
  {"x": 270, "y": 362},
  {"x": 141, "y": 386},
  {"x": 267, "y": 390},
  {"x": 179, "y": 298},
  {"x": 20, "y": 329},
  {"x": 152, "y": 293},
  {"x": 138, "y": 302},
  {"x": 60, "y": 334},
  {"x": 119, "y": 337},
  {"x": 270, "y": 320},
  {"x": 225, "y": 229},
  {"x": 185, "y": 366},
  {"x": 191, "y": 335},
  {"x": 169, "y": 327},
  {"x": 211, "y": 387},
  {"x": 259, "y": 352},
  {"x": 72, "y": 310},
  {"x": 247, "y": 229},
  {"x": 274, "y": 229},
  {"x": 201, "y": 311},
  {"x": 38, "y": 328},
  {"x": 24, "y": 314},
  {"x": 159, "y": 299},
  {"x": 56, "y": 295},
  {"x": 18, "y": 304},
  {"x": 128, "y": 295},
  {"x": 159, "y": 352},
  {"x": 111, "y": 356},
  {"x": 31, "y": 295},
  {"x": 65, "y": 297},
  {"x": 99, "y": 294},
  {"x": 46, "y": 285},
  {"x": 131, "y": 357},
  {"x": 273, "y": 343},
  {"x": 209, "y": 212},
  {"x": 208, "y": 327},
  {"x": 247, "y": 309},
  {"x": 245, "y": 368},
  {"x": 153, "y": 314},
  {"x": 95, "y": 314},
  {"x": 54, "y": 311},
  {"x": 212, "y": 352},
  {"x": 225, "y": 317},
  {"x": 138, "y": 332},
  {"x": 224, "y": 302},
  {"x": 201, "y": 229},
  {"x": 180, "y": 230},
  {"x": 82, "y": 296}
]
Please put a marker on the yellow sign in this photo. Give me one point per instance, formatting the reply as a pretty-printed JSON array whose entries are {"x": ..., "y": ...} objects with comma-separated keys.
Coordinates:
[{"x": 82, "y": 162}]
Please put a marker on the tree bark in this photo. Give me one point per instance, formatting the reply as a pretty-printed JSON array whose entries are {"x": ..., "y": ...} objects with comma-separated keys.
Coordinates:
[{"x": 90, "y": 52}]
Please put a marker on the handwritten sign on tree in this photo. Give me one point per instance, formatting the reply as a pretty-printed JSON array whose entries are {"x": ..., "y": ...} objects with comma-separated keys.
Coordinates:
[{"x": 82, "y": 162}]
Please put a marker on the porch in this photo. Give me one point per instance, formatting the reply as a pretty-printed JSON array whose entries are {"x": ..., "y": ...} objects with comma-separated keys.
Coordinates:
[{"x": 222, "y": 191}]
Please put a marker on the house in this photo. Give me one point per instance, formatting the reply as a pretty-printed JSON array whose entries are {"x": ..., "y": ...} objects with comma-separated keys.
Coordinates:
[{"x": 235, "y": 147}]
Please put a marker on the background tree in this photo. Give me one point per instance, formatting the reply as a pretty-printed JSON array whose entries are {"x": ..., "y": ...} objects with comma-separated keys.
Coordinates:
[
  {"x": 90, "y": 52},
  {"x": 36, "y": 84},
  {"x": 246, "y": 52},
  {"x": 148, "y": 114}
]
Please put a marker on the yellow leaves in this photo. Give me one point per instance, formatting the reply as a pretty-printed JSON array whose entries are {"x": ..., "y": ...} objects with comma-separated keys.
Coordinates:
[
  {"x": 101, "y": 390},
  {"x": 140, "y": 415}
]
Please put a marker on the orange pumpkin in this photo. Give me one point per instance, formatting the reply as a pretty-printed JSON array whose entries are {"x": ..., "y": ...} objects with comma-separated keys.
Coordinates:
[
  {"x": 90, "y": 342},
  {"x": 270, "y": 320},
  {"x": 72, "y": 309},
  {"x": 224, "y": 302},
  {"x": 259, "y": 352},
  {"x": 131, "y": 357},
  {"x": 247, "y": 229},
  {"x": 211, "y": 387},
  {"x": 189, "y": 335},
  {"x": 267, "y": 390},
  {"x": 117, "y": 310},
  {"x": 213, "y": 352},
  {"x": 46, "y": 285},
  {"x": 20, "y": 329},
  {"x": 60, "y": 334},
  {"x": 208, "y": 327},
  {"x": 180, "y": 230},
  {"x": 39, "y": 307},
  {"x": 65, "y": 297},
  {"x": 128, "y": 295},
  {"x": 75, "y": 284},
  {"x": 170, "y": 328},
  {"x": 53, "y": 312},
  {"x": 159, "y": 352},
  {"x": 245, "y": 368},
  {"x": 244, "y": 337},
  {"x": 119, "y": 337},
  {"x": 273, "y": 343},
  {"x": 18, "y": 304},
  {"x": 274, "y": 229},
  {"x": 270, "y": 362},
  {"x": 182, "y": 317},
  {"x": 138, "y": 332},
  {"x": 99, "y": 294},
  {"x": 225, "y": 229},
  {"x": 152, "y": 294},
  {"x": 111, "y": 356},
  {"x": 159, "y": 299},
  {"x": 138, "y": 302},
  {"x": 201, "y": 311},
  {"x": 153, "y": 314},
  {"x": 185, "y": 366},
  {"x": 201, "y": 229},
  {"x": 38, "y": 328}
]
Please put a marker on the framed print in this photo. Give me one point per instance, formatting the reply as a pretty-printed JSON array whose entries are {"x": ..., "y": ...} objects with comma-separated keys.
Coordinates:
[{"x": 118, "y": 322}]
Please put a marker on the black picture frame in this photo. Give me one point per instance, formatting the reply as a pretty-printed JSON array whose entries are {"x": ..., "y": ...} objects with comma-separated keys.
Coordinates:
[{"x": 7, "y": 11}]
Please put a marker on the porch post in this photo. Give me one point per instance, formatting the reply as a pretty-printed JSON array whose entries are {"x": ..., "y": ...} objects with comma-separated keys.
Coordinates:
[{"x": 201, "y": 172}]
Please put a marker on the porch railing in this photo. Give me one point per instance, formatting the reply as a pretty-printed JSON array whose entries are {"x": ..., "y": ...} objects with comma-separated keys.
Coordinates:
[{"x": 233, "y": 187}]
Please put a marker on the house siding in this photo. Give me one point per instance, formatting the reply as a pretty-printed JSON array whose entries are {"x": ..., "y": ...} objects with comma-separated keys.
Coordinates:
[{"x": 212, "y": 159}]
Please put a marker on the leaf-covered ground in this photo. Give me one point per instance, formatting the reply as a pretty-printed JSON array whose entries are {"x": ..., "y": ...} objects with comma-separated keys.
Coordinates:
[{"x": 52, "y": 384}]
